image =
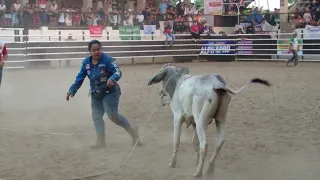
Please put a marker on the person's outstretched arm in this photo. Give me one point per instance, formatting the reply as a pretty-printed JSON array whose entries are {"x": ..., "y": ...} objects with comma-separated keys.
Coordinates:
[{"x": 79, "y": 80}]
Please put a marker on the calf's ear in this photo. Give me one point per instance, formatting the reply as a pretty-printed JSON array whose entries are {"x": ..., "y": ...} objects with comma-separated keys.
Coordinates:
[{"x": 157, "y": 78}]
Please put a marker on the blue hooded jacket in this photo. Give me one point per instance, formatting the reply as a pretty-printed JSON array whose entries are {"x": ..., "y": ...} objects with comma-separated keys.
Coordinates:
[{"x": 98, "y": 74}]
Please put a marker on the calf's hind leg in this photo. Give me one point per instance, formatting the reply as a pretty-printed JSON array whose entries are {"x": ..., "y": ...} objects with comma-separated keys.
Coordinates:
[{"x": 220, "y": 120}]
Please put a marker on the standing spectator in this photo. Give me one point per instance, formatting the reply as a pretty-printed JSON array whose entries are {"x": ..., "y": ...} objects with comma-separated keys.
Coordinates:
[
  {"x": 68, "y": 16},
  {"x": 163, "y": 7},
  {"x": 3, "y": 57},
  {"x": 3, "y": 9},
  {"x": 76, "y": 18},
  {"x": 146, "y": 13},
  {"x": 267, "y": 16},
  {"x": 36, "y": 14},
  {"x": 61, "y": 20},
  {"x": 168, "y": 33},
  {"x": 43, "y": 12},
  {"x": 140, "y": 18},
  {"x": 180, "y": 8},
  {"x": 128, "y": 21},
  {"x": 275, "y": 17},
  {"x": 294, "y": 48},
  {"x": 53, "y": 12},
  {"x": 14, "y": 14},
  {"x": 28, "y": 15}
]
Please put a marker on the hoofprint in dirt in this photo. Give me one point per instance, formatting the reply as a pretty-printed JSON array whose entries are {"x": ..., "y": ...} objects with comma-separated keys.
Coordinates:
[{"x": 271, "y": 133}]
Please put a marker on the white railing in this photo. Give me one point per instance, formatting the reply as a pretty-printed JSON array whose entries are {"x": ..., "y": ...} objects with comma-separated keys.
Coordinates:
[{"x": 233, "y": 46}]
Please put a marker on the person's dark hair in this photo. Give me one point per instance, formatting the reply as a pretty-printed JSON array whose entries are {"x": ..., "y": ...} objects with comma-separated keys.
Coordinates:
[{"x": 92, "y": 42}]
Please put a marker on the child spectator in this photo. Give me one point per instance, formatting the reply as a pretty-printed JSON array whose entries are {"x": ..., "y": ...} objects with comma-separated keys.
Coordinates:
[{"x": 168, "y": 33}]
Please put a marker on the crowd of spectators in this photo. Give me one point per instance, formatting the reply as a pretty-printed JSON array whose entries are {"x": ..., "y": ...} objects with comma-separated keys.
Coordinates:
[
  {"x": 49, "y": 13},
  {"x": 310, "y": 15}
]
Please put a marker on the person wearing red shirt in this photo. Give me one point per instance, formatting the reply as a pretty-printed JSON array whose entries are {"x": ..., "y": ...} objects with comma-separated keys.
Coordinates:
[
  {"x": 168, "y": 33},
  {"x": 195, "y": 31},
  {"x": 3, "y": 57}
]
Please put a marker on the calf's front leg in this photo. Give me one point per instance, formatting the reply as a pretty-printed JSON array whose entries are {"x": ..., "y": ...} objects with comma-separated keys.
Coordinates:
[{"x": 177, "y": 124}]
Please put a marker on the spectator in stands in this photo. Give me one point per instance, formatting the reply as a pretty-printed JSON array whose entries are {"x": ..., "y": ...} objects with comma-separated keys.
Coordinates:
[
  {"x": 210, "y": 32},
  {"x": 28, "y": 14},
  {"x": 163, "y": 7},
  {"x": 297, "y": 13},
  {"x": 307, "y": 17},
  {"x": 275, "y": 17},
  {"x": 3, "y": 9},
  {"x": 195, "y": 32},
  {"x": 53, "y": 12},
  {"x": 180, "y": 8},
  {"x": 36, "y": 13},
  {"x": 128, "y": 19},
  {"x": 15, "y": 12},
  {"x": 168, "y": 33},
  {"x": 267, "y": 16},
  {"x": 250, "y": 28},
  {"x": 300, "y": 22},
  {"x": 43, "y": 12},
  {"x": 140, "y": 18}
]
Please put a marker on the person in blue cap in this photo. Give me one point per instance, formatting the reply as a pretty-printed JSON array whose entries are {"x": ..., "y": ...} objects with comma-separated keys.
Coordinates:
[{"x": 103, "y": 74}]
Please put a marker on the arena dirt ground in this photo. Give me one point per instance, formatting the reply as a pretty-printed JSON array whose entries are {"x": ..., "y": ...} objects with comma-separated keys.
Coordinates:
[{"x": 271, "y": 133}]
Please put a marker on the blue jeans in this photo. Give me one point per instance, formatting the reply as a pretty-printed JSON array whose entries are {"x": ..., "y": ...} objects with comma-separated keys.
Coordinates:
[
  {"x": 108, "y": 104},
  {"x": 167, "y": 37},
  {"x": 14, "y": 18},
  {"x": 1, "y": 69}
]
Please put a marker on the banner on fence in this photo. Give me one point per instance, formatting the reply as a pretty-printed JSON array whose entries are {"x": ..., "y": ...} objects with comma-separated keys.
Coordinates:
[
  {"x": 149, "y": 29},
  {"x": 213, "y": 7},
  {"x": 216, "y": 47},
  {"x": 283, "y": 47},
  {"x": 245, "y": 47},
  {"x": 95, "y": 31},
  {"x": 311, "y": 32},
  {"x": 134, "y": 31}
]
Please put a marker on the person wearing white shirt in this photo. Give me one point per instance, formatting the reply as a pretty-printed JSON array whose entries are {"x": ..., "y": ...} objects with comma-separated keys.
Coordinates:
[
  {"x": 307, "y": 16},
  {"x": 140, "y": 17}
]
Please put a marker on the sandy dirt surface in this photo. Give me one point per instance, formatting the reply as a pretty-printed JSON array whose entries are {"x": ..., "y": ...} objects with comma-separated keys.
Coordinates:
[{"x": 271, "y": 133}]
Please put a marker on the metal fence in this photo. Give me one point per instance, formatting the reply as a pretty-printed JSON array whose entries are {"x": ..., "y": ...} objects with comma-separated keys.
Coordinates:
[{"x": 240, "y": 47}]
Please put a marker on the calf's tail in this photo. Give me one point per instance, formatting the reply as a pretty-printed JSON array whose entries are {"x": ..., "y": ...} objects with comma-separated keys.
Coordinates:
[{"x": 235, "y": 92}]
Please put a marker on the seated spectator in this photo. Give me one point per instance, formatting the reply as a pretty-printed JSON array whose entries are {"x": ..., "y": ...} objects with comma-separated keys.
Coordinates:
[
  {"x": 195, "y": 32},
  {"x": 211, "y": 30},
  {"x": 307, "y": 16},
  {"x": 297, "y": 13},
  {"x": 300, "y": 22},
  {"x": 250, "y": 29},
  {"x": 168, "y": 33}
]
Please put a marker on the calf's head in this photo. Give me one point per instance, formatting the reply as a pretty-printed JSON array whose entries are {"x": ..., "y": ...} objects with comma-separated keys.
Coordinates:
[{"x": 169, "y": 75}]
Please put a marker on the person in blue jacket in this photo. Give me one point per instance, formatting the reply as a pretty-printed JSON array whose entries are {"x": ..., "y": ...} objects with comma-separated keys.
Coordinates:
[{"x": 103, "y": 74}]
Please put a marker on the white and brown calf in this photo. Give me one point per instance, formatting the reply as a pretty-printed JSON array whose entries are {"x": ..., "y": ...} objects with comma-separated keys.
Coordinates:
[{"x": 197, "y": 100}]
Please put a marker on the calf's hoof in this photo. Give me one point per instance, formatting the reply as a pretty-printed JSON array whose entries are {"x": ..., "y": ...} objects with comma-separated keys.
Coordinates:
[
  {"x": 172, "y": 164},
  {"x": 197, "y": 174},
  {"x": 210, "y": 170}
]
